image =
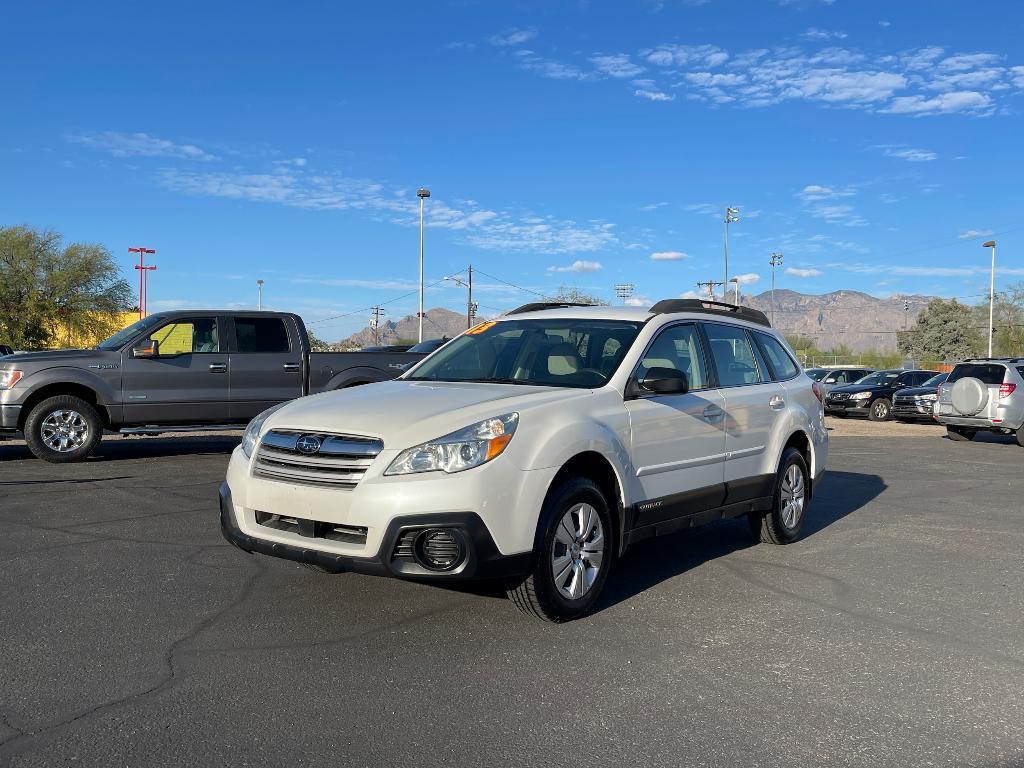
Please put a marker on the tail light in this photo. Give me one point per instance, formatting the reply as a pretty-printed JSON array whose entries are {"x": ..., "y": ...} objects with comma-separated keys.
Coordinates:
[
  {"x": 816, "y": 389},
  {"x": 1005, "y": 390}
]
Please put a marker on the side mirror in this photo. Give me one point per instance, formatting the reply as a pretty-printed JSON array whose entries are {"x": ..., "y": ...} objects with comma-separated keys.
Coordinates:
[
  {"x": 664, "y": 381},
  {"x": 146, "y": 348}
]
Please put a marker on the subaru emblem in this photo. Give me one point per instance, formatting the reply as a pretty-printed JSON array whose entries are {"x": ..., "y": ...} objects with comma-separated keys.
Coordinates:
[{"x": 308, "y": 444}]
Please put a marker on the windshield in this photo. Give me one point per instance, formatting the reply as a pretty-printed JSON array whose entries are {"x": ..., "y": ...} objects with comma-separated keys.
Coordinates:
[
  {"x": 881, "y": 377},
  {"x": 549, "y": 353},
  {"x": 816, "y": 373},
  {"x": 124, "y": 334},
  {"x": 934, "y": 381},
  {"x": 427, "y": 346}
]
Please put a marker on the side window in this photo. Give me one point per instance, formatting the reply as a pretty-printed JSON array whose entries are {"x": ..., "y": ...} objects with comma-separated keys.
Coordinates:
[
  {"x": 182, "y": 337},
  {"x": 261, "y": 334},
  {"x": 678, "y": 347},
  {"x": 780, "y": 361},
  {"x": 734, "y": 359}
]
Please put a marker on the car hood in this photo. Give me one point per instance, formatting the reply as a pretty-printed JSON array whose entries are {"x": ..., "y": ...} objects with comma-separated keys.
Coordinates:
[
  {"x": 852, "y": 388},
  {"x": 55, "y": 356},
  {"x": 917, "y": 391},
  {"x": 404, "y": 413}
]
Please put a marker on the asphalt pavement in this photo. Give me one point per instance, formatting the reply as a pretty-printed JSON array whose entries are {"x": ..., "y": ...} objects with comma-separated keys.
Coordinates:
[{"x": 892, "y": 634}]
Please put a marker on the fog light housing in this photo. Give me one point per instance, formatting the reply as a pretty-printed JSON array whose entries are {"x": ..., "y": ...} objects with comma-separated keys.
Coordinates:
[{"x": 440, "y": 549}]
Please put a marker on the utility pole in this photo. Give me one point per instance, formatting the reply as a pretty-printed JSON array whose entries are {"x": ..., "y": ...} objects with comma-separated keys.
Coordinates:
[
  {"x": 144, "y": 269},
  {"x": 259, "y": 288},
  {"x": 991, "y": 292},
  {"x": 422, "y": 193},
  {"x": 710, "y": 285},
  {"x": 732, "y": 215},
  {"x": 906, "y": 314},
  {"x": 775, "y": 261},
  {"x": 471, "y": 306},
  {"x": 624, "y": 291},
  {"x": 375, "y": 323}
]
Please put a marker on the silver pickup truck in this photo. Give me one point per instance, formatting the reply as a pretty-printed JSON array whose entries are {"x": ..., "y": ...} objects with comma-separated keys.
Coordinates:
[{"x": 174, "y": 371}]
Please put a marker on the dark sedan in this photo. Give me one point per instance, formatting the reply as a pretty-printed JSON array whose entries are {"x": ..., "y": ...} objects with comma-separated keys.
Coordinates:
[
  {"x": 917, "y": 403},
  {"x": 873, "y": 394}
]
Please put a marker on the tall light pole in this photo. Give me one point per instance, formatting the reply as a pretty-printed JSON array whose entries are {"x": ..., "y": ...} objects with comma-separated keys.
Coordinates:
[
  {"x": 775, "y": 261},
  {"x": 259, "y": 289},
  {"x": 732, "y": 215},
  {"x": 736, "y": 295},
  {"x": 624, "y": 291},
  {"x": 422, "y": 193},
  {"x": 991, "y": 292},
  {"x": 144, "y": 271}
]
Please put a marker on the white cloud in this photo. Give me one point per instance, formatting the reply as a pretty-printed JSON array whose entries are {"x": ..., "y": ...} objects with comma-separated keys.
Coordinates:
[
  {"x": 139, "y": 145},
  {"x": 798, "y": 272},
  {"x": 616, "y": 65},
  {"x": 693, "y": 295},
  {"x": 838, "y": 214},
  {"x": 669, "y": 256},
  {"x": 909, "y": 153},
  {"x": 555, "y": 70},
  {"x": 653, "y": 206},
  {"x": 823, "y": 34},
  {"x": 973, "y": 233},
  {"x": 638, "y": 301},
  {"x": 513, "y": 36},
  {"x": 579, "y": 266},
  {"x": 643, "y": 93},
  {"x": 957, "y": 101},
  {"x": 747, "y": 279},
  {"x": 819, "y": 192}
]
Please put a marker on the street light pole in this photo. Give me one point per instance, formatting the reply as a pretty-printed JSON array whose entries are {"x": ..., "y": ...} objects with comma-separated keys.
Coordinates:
[
  {"x": 775, "y": 261},
  {"x": 991, "y": 292},
  {"x": 143, "y": 275},
  {"x": 259, "y": 288},
  {"x": 731, "y": 215},
  {"x": 422, "y": 193}
]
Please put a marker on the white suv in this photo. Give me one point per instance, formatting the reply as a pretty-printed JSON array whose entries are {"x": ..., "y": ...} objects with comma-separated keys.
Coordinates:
[{"x": 536, "y": 448}]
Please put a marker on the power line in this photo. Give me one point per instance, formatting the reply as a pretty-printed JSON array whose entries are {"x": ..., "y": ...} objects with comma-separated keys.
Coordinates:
[{"x": 513, "y": 285}]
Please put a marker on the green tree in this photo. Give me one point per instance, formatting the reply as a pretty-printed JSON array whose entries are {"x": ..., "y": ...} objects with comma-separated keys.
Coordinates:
[
  {"x": 945, "y": 330},
  {"x": 1007, "y": 319},
  {"x": 316, "y": 344},
  {"x": 45, "y": 284}
]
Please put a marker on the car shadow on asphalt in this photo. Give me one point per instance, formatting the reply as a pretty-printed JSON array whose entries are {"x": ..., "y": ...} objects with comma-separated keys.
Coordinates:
[{"x": 141, "y": 448}]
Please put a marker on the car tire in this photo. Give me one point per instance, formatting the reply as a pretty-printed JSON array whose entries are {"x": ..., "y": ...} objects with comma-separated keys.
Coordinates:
[
  {"x": 960, "y": 434},
  {"x": 792, "y": 485},
  {"x": 568, "y": 561},
  {"x": 880, "y": 410},
  {"x": 63, "y": 429},
  {"x": 1019, "y": 434}
]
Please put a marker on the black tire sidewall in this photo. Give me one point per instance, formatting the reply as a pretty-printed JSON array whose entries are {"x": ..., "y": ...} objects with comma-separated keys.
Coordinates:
[
  {"x": 789, "y": 458},
  {"x": 576, "y": 491},
  {"x": 33, "y": 432}
]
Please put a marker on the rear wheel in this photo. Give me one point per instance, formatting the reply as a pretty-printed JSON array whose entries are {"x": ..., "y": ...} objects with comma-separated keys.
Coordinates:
[
  {"x": 782, "y": 525},
  {"x": 63, "y": 429},
  {"x": 881, "y": 410},
  {"x": 1020, "y": 437},
  {"x": 962, "y": 434},
  {"x": 572, "y": 556}
]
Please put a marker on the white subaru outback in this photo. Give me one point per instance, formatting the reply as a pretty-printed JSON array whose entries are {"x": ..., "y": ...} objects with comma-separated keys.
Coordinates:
[{"x": 537, "y": 448}]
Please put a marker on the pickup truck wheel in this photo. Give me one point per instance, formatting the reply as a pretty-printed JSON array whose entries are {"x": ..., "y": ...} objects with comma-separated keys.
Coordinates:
[
  {"x": 881, "y": 410},
  {"x": 572, "y": 557},
  {"x": 960, "y": 434},
  {"x": 782, "y": 525},
  {"x": 63, "y": 429}
]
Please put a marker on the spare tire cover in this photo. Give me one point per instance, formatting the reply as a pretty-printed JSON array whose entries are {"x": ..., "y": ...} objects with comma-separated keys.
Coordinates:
[{"x": 969, "y": 396}]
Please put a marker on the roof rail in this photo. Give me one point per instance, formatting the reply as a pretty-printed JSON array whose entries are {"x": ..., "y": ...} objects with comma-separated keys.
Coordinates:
[
  {"x": 539, "y": 305},
  {"x": 666, "y": 306}
]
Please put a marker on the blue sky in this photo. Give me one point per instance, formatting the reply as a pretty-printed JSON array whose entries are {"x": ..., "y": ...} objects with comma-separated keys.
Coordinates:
[{"x": 874, "y": 144}]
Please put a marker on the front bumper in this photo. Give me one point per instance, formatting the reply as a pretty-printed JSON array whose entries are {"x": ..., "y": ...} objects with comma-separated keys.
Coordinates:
[
  {"x": 9, "y": 415},
  {"x": 846, "y": 406},
  {"x": 913, "y": 409},
  {"x": 482, "y": 559}
]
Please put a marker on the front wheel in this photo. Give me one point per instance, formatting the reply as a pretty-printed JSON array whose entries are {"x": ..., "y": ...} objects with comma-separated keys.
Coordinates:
[
  {"x": 782, "y": 525},
  {"x": 881, "y": 410},
  {"x": 63, "y": 429},
  {"x": 572, "y": 556}
]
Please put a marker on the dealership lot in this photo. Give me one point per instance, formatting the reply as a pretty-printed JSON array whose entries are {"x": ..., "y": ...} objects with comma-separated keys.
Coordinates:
[{"x": 889, "y": 635}]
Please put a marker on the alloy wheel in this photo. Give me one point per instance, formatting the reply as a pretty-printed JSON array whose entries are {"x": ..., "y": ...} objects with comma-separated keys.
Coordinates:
[
  {"x": 792, "y": 496},
  {"x": 577, "y": 551},
  {"x": 64, "y": 431}
]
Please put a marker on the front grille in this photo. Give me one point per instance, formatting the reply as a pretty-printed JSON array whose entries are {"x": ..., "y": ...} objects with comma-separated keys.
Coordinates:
[
  {"x": 340, "y": 461},
  {"x": 349, "y": 534}
]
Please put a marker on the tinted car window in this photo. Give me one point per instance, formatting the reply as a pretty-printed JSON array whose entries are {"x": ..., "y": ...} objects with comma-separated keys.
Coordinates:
[
  {"x": 986, "y": 373},
  {"x": 778, "y": 358},
  {"x": 1020, "y": 370},
  {"x": 186, "y": 336},
  {"x": 934, "y": 381},
  {"x": 734, "y": 359},
  {"x": 879, "y": 378},
  {"x": 261, "y": 334},
  {"x": 676, "y": 347},
  {"x": 817, "y": 374}
]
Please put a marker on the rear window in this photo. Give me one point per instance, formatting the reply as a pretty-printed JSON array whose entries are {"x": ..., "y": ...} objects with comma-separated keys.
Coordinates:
[
  {"x": 781, "y": 363},
  {"x": 1020, "y": 370},
  {"x": 261, "y": 334},
  {"x": 987, "y": 373}
]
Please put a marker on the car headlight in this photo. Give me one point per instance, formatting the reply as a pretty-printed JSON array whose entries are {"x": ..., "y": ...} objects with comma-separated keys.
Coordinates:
[
  {"x": 928, "y": 397},
  {"x": 470, "y": 447},
  {"x": 9, "y": 378},
  {"x": 252, "y": 432},
  {"x": 860, "y": 395}
]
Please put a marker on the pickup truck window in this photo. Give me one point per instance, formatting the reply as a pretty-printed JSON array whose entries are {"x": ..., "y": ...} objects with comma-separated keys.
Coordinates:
[
  {"x": 550, "y": 353},
  {"x": 261, "y": 334},
  {"x": 122, "y": 337},
  {"x": 186, "y": 336}
]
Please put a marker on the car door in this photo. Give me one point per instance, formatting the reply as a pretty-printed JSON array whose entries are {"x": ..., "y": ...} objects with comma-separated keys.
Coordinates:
[
  {"x": 265, "y": 363},
  {"x": 677, "y": 441},
  {"x": 753, "y": 404},
  {"x": 187, "y": 383}
]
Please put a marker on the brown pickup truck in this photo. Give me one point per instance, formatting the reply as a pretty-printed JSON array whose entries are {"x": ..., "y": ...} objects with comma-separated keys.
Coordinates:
[{"x": 174, "y": 371}]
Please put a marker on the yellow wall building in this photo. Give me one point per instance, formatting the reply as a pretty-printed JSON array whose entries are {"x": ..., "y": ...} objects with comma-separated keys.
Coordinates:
[{"x": 67, "y": 338}]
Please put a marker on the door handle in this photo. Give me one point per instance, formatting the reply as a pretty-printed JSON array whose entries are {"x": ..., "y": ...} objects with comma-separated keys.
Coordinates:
[
  {"x": 218, "y": 367},
  {"x": 777, "y": 403},
  {"x": 712, "y": 412},
  {"x": 291, "y": 366}
]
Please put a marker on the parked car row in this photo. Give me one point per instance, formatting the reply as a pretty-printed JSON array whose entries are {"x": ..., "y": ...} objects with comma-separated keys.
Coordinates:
[{"x": 873, "y": 394}]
